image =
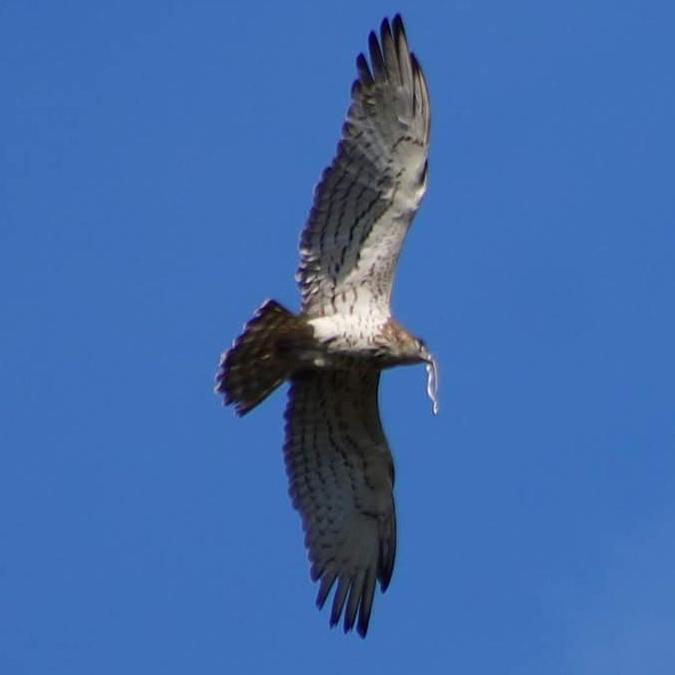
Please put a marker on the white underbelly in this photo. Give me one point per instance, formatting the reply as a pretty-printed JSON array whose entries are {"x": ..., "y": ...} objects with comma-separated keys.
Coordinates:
[{"x": 344, "y": 331}]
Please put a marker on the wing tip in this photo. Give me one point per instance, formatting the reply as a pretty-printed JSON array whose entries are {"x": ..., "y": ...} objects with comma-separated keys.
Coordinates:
[
  {"x": 385, "y": 31},
  {"x": 390, "y": 57},
  {"x": 397, "y": 25},
  {"x": 354, "y": 595},
  {"x": 365, "y": 75},
  {"x": 352, "y": 601}
]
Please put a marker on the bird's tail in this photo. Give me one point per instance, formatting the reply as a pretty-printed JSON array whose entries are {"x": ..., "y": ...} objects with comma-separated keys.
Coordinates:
[{"x": 261, "y": 357}]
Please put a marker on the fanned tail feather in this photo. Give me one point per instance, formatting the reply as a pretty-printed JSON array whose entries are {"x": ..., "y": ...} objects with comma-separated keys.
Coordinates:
[{"x": 259, "y": 361}]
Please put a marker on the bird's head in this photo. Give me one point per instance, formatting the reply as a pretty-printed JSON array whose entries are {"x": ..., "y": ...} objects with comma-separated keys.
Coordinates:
[{"x": 403, "y": 348}]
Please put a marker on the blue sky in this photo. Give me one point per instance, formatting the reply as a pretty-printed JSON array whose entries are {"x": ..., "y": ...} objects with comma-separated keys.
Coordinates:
[{"x": 156, "y": 167}]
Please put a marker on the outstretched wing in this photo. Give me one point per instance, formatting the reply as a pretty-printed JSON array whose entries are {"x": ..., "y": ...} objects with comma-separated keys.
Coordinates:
[
  {"x": 368, "y": 196},
  {"x": 341, "y": 478}
]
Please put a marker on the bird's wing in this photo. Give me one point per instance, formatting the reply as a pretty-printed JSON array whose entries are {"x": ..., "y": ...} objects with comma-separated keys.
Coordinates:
[
  {"x": 341, "y": 478},
  {"x": 367, "y": 197}
]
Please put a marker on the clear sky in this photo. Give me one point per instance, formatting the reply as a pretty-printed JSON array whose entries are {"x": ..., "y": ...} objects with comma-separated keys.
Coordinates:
[{"x": 157, "y": 161}]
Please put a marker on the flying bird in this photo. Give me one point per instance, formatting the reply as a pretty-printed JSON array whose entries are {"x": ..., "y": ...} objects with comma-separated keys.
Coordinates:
[{"x": 339, "y": 466}]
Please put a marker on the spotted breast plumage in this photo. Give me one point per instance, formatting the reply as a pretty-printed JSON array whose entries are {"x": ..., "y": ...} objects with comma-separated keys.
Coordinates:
[{"x": 339, "y": 465}]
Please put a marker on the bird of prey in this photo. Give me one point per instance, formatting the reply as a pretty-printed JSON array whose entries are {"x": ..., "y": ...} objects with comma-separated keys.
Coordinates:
[{"x": 339, "y": 465}]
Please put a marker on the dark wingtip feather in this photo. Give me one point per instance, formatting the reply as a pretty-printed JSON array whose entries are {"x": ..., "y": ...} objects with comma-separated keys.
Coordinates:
[
  {"x": 363, "y": 622},
  {"x": 366, "y": 607},
  {"x": 390, "y": 54},
  {"x": 387, "y": 557},
  {"x": 417, "y": 69},
  {"x": 397, "y": 25},
  {"x": 354, "y": 601},
  {"x": 385, "y": 30},
  {"x": 339, "y": 600},
  {"x": 327, "y": 582},
  {"x": 363, "y": 70},
  {"x": 376, "y": 57}
]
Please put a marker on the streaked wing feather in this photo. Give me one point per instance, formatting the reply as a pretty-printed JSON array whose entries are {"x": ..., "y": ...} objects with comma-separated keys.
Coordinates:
[
  {"x": 367, "y": 197},
  {"x": 341, "y": 479}
]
